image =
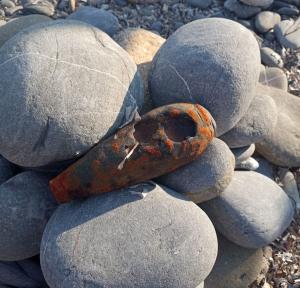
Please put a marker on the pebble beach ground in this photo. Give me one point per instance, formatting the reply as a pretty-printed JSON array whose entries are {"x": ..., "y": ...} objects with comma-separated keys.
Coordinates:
[{"x": 165, "y": 17}]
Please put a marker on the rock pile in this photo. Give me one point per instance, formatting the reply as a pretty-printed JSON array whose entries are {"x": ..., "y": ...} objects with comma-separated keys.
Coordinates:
[{"x": 65, "y": 85}]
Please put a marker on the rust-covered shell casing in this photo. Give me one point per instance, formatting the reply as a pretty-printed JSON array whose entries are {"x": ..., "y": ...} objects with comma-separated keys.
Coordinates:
[{"x": 161, "y": 141}]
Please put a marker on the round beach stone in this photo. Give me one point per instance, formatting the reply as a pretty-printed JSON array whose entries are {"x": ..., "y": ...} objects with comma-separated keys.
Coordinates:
[
  {"x": 141, "y": 45},
  {"x": 46, "y": 120},
  {"x": 12, "y": 27},
  {"x": 288, "y": 33},
  {"x": 266, "y": 20},
  {"x": 236, "y": 267},
  {"x": 206, "y": 177},
  {"x": 101, "y": 19},
  {"x": 12, "y": 275},
  {"x": 7, "y": 170},
  {"x": 243, "y": 153},
  {"x": 282, "y": 146},
  {"x": 258, "y": 3},
  {"x": 142, "y": 236},
  {"x": 26, "y": 203},
  {"x": 241, "y": 10},
  {"x": 258, "y": 122},
  {"x": 200, "y": 63},
  {"x": 252, "y": 211},
  {"x": 270, "y": 58},
  {"x": 274, "y": 77},
  {"x": 43, "y": 7}
]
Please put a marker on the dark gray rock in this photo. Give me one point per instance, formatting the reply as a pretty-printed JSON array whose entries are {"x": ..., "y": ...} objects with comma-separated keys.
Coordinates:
[
  {"x": 46, "y": 120},
  {"x": 274, "y": 77},
  {"x": 258, "y": 122},
  {"x": 266, "y": 20},
  {"x": 206, "y": 177},
  {"x": 200, "y": 63},
  {"x": 202, "y": 4},
  {"x": 265, "y": 167},
  {"x": 43, "y": 7},
  {"x": 129, "y": 238},
  {"x": 258, "y": 3},
  {"x": 288, "y": 11},
  {"x": 156, "y": 26},
  {"x": 26, "y": 203},
  {"x": 101, "y": 19},
  {"x": 7, "y": 170},
  {"x": 32, "y": 269},
  {"x": 243, "y": 153},
  {"x": 288, "y": 33},
  {"x": 241, "y": 10},
  {"x": 270, "y": 58},
  {"x": 11, "y": 28},
  {"x": 282, "y": 146},
  {"x": 252, "y": 211},
  {"x": 236, "y": 267},
  {"x": 12, "y": 275}
]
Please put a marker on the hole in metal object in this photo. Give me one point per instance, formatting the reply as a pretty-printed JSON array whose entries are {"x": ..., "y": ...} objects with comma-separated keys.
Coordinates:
[
  {"x": 145, "y": 130},
  {"x": 180, "y": 128}
]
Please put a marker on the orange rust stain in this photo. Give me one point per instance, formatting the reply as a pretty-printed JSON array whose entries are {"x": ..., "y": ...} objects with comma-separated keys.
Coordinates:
[
  {"x": 169, "y": 144},
  {"x": 174, "y": 113},
  {"x": 193, "y": 114},
  {"x": 205, "y": 131},
  {"x": 204, "y": 113},
  {"x": 152, "y": 151}
]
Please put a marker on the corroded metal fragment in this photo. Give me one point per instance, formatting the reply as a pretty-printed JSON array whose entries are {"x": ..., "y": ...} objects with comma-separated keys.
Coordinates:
[{"x": 161, "y": 141}]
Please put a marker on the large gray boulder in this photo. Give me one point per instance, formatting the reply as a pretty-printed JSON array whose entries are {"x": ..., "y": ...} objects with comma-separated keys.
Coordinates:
[
  {"x": 236, "y": 267},
  {"x": 259, "y": 122},
  {"x": 101, "y": 19},
  {"x": 12, "y": 275},
  {"x": 142, "y": 236},
  {"x": 206, "y": 177},
  {"x": 58, "y": 100},
  {"x": 214, "y": 62},
  {"x": 282, "y": 146},
  {"x": 252, "y": 211},
  {"x": 26, "y": 203},
  {"x": 7, "y": 170},
  {"x": 14, "y": 26}
]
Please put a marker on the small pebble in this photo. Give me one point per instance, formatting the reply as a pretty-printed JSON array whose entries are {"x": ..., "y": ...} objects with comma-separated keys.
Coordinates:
[
  {"x": 270, "y": 58},
  {"x": 266, "y": 20}
]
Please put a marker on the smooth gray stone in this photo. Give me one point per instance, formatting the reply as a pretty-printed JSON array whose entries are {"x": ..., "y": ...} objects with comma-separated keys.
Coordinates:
[
  {"x": 206, "y": 177},
  {"x": 288, "y": 33},
  {"x": 249, "y": 165},
  {"x": 241, "y": 10},
  {"x": 32, "y": 270},
  {"x": 12, "y": 275},
  {"x": 43, "y": 7},
  {"x": 252, "y": 211},
  {"x": 142, "y": 236},
  {"x": 282, "y": 146},
  {"x": 274, "y": 77},
  {"x": 258, "y": 3},
  {"x": 258, "y": 122},
  {"x": 7, "y": 3},
  {"x": 236, "y": 267},
  {"x": 14, "y": 26},
  {"x": 101, "y": 19},
  {"x": 7, "y": 170},
  {"x": 43, "y": 119},
  {"x": 288, "y": 11},
  {"x": 200, "y": 63},
  {"x": 243, "y": 153},
  {"x": 266, "y": 20},
  {"x": 26, "y": 203},
  {"x": 202, "y": 4},
  {"x": 270, "y": 58}
]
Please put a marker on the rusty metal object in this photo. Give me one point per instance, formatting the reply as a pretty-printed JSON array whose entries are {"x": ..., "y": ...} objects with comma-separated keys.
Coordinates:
[{"x": 161, "y": 141}]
